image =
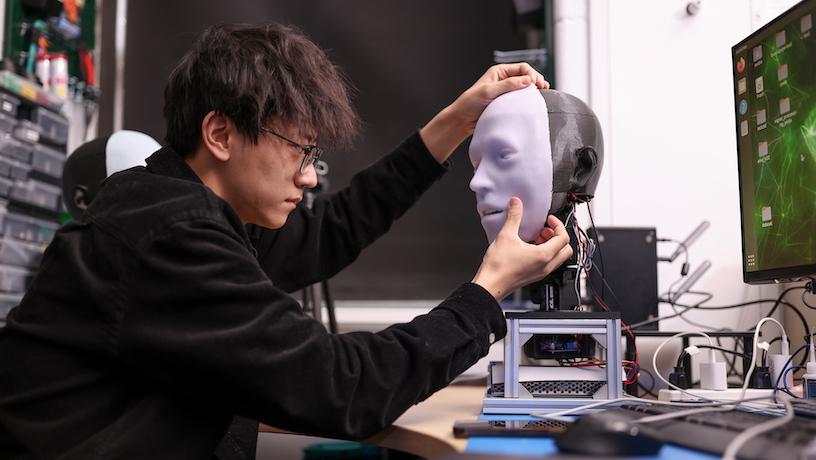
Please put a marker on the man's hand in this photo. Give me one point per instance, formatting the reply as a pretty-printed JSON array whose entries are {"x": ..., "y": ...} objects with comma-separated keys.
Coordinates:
[
  {"x": 456, "y": 122},
  {"x": 511, "y": 263}
]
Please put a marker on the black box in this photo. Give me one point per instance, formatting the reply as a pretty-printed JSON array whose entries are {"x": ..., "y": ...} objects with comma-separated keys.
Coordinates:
[{"x": 627, "y": 258}]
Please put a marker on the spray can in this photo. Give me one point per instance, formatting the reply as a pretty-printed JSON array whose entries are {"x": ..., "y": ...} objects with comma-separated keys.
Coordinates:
[
  {"x": 43, "y": 70},
  {"x": 59, "y": 74}
]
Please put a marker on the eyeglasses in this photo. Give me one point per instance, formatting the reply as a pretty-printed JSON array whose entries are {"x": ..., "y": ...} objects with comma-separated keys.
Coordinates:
[{"x": 311, "y": 153}]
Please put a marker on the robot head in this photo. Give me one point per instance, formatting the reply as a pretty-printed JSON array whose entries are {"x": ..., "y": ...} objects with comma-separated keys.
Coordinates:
[
  {"x": 543, "y": 146},
  {"x": 93, "y": 161}
]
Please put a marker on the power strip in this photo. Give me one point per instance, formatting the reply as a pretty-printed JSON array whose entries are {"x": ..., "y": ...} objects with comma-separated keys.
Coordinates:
[{"x": 730, "y": 394}]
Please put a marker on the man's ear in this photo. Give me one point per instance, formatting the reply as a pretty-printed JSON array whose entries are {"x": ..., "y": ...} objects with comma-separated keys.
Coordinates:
[
  {"x": 80, "y": 197},
  {"x": 217, "y": 132}
]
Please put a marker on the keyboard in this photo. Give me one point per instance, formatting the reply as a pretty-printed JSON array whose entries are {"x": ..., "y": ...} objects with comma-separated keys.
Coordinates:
[{"x": 712, "y": 431}]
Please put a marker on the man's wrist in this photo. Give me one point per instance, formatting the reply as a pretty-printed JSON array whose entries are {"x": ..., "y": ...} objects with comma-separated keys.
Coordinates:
[{"x": 443, "y": 134}]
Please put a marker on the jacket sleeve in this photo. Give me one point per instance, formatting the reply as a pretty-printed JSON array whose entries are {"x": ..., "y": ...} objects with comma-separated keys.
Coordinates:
[
  {"x": 316, "y": 244},
  {"x": 213, "y": 327}
]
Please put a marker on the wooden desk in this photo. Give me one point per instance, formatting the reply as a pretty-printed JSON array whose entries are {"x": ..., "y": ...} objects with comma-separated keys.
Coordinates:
[{"x": 426, "y": 429}]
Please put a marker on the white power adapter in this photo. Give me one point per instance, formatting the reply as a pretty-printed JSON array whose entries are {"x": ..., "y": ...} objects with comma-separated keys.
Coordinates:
[
  {"x": 713, "y": 375},
  {"x": 776, "y": 364}
]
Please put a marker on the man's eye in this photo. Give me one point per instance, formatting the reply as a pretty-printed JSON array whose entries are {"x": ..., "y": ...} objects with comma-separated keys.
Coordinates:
[{"x": 507, "y": 155}]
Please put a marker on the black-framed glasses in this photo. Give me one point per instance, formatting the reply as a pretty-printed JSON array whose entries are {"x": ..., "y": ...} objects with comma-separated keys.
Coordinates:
[{"x": 311, "y": 152}]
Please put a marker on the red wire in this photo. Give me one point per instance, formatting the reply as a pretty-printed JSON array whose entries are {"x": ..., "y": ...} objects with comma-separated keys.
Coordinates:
[{"x": 626, "y": 326}]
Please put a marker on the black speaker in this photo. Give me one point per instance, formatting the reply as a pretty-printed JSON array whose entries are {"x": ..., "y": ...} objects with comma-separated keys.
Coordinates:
[{"x": 626, "y": 259}]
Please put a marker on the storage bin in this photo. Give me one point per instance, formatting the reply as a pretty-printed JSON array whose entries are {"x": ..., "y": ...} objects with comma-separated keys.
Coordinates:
[
  {"x": 47, "y": 161},
  {"x": 26, "y": 228},
  {"x": 27, "y": 131},
  {"x": 14, "y": 169},
  {"x": 12, "y": 148},
  {"x": 7, "y": 123},
  {"x": 5, "y": 187},
  {"x": 13, "y": 279},
  {"x": 7, "y": 302},
  {"x": 53, "y": 126},
  {"x": 9, "y": 104},
  {"x": 36, "y": 193},
  {"x": 20, "y": 253}
]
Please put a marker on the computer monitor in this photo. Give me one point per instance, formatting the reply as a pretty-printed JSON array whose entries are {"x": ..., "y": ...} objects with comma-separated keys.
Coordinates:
[{"x": 775, "y": 98}]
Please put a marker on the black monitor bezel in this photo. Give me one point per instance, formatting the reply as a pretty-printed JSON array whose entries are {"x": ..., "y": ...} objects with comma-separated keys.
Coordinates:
[{"x": 772, "y": 275}]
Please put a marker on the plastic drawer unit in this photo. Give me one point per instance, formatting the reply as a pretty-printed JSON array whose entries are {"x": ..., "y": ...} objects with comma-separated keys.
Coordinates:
[
  {"x": 27, "y": 228},
  {"x": 14, "y": 169},
  {"x": 7, "y": 123},
  {"x": 5, "y": 187},
  {"x": 27, "y": 131},
  {"x": 20, "y": 253},
  {"x": 7, "y": 302},
  {"x": 13, "y": 279},
  {"x": 14, "y": 149},
  {"x": 9, "y": 104},
  {"x": 37, "y": 193},
  {"x": 52, "y": 126},
  {"x": 47, "y": 161}
]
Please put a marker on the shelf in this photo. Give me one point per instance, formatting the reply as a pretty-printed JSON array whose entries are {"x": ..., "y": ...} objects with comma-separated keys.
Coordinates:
[{"x": 31, "y": 91}]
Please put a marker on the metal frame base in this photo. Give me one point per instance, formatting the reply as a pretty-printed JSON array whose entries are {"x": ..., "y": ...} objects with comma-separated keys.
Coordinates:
[{"x": 603, "y": 327}]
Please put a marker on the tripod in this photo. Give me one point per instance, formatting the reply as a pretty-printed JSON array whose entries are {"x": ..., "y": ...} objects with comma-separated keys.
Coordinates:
[{"x": 315, "y": 295}]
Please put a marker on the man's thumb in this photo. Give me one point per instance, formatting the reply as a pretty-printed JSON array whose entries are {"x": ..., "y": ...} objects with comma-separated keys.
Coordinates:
[{"x": 514, "y": 212}]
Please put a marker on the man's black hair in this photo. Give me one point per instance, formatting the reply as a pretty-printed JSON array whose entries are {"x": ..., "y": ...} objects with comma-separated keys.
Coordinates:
[{"x": 257, "y": 74}]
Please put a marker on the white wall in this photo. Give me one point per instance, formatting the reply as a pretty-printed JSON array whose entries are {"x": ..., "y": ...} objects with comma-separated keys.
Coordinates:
[{"x": 660, "y": 80}]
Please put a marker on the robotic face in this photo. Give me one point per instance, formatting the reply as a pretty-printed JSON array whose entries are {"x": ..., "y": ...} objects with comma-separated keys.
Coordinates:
[
  {"x": 543, "y": 146},
  {"x": 511, "y": 156}
]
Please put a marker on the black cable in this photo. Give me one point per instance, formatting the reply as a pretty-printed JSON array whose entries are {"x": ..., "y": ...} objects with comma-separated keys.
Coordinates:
[
  {"x": 712, "y": 347},
  {"x": 778, "y": 301},
  {"x": 787, "y": 363},
  {"x": 729, "y": 358},
  {"x": 810, "y": 287},
  {"x": 649, "y": 391},
  {"x": 647, "y": 322}
]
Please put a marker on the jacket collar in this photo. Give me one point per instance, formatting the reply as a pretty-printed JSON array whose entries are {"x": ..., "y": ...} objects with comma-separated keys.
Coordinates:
[{"x": 167, "y": 162}]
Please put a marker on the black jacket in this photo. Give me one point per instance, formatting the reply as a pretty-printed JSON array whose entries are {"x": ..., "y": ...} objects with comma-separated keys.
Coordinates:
[{"x": 158, "y": 317}]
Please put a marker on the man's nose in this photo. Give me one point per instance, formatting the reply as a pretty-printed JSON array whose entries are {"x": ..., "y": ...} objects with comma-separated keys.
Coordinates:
[{"x": 307, "y": 178}]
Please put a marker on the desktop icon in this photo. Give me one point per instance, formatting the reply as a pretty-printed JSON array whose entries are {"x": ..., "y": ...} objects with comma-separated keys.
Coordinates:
[
  {"x": 806, "y": 23},
  {"x": 744, "y": 128},
  {"x": 784, "y": 105},
  {"x": 757, "y": 53},
  {"x": 762, "y": 149},
  {"x": 742, "y": 86},
  {"x": 782, "y": 72},
  {"x": 759, "y": 83},
  {"x": 767, "y": 218},
  {"x": 780, "y": 39},
  {"x": 761, "y": 118},
  {"x": 741, "y": 65},
  {"x": 743, "y": 107}
]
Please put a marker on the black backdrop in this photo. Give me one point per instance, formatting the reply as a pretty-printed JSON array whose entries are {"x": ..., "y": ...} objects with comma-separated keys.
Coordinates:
[{"x": 407, "y": 60}]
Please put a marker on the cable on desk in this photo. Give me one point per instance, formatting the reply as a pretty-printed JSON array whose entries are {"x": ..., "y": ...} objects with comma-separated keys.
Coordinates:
[{"x": 736, "y": 444}]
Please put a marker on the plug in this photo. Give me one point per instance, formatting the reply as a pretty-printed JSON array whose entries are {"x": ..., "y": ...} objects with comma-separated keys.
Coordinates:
[
  {"x": 777, "y": 364},
  {"x": 761, "y": 378},
  {"x": 678, "y": 378},
  {"x": 713, "y": 375}
]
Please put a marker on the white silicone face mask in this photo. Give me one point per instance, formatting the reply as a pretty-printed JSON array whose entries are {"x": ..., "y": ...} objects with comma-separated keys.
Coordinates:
[{"x": 511, "y": 156}]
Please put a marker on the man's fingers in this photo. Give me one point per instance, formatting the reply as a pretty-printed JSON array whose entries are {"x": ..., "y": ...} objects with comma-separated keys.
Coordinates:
[
  {"x": 496, "y": 89},
  {"x": 557, "y": 226},
  {"x": 503, "y": 71},
  {"x": 545, "y": 235},
  {"x": 513, "y": 220},
  {"x": 562, "y": 256}
]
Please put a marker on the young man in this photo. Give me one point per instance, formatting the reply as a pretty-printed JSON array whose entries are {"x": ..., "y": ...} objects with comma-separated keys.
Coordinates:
[{"x": 160, "y": 315}]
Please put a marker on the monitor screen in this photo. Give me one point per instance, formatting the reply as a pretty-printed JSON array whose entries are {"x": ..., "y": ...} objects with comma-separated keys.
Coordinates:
[{"x": 775, "y": 100}]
